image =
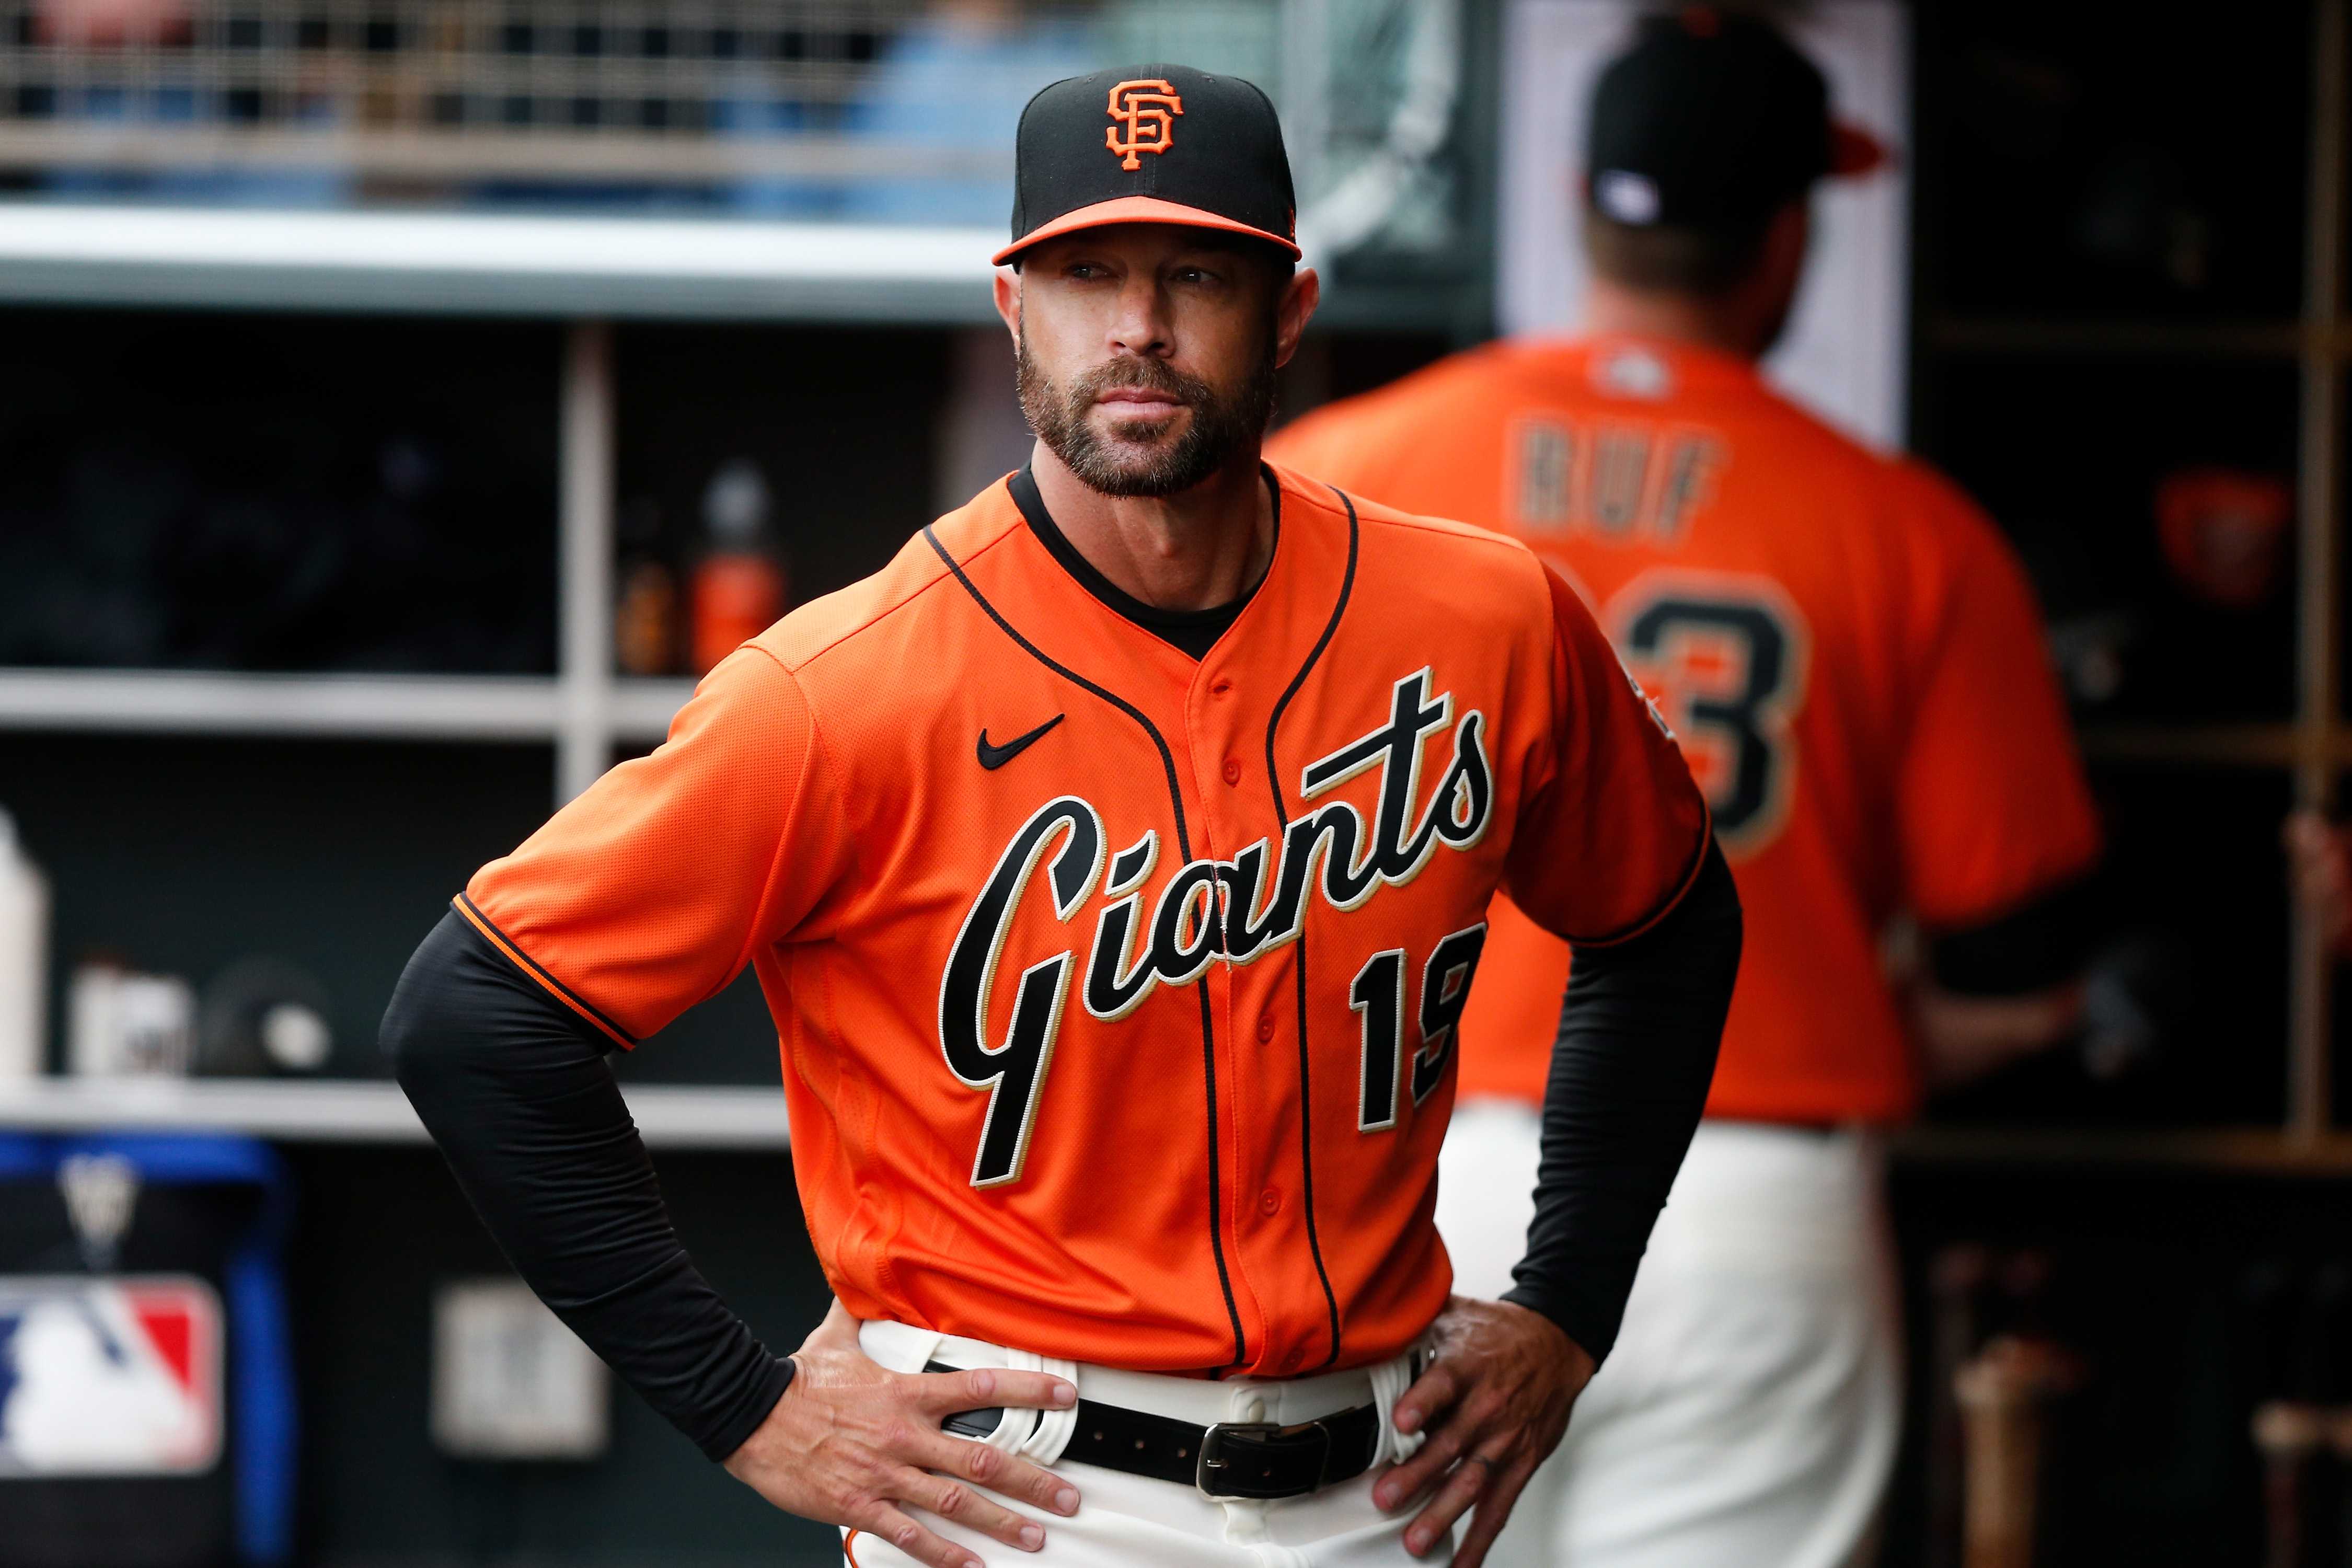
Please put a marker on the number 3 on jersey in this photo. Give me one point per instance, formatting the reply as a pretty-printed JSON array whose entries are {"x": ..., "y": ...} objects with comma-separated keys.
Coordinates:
[{"x": 1726, "y": 653}]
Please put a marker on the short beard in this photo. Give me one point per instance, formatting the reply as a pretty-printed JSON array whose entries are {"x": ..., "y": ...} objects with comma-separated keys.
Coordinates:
[{"x": 1135, "y": 457}]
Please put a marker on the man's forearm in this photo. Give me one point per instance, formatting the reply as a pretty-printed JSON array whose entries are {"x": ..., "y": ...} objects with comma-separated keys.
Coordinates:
[
  {"x": 1630, "y": 1072},
  {"x": 2005, "y": 989},
  {"x": 516, "y": 1091},
  {"x": 1963, "y": 1039}
]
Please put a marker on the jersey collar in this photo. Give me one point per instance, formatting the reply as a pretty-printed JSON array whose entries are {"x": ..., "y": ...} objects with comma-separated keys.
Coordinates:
[{"x": 1192, "y": 631}]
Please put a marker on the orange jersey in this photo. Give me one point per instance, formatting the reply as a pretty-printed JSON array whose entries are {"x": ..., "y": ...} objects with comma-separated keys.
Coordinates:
[
  {"x": 1847, "y": 647},
  {"x": 1116, "y": 991}
]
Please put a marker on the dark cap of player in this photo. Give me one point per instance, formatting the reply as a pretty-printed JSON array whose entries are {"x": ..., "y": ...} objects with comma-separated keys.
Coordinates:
[
  {"x": 1154, "y": 143},
  {"x": 1712, "y": 119}
]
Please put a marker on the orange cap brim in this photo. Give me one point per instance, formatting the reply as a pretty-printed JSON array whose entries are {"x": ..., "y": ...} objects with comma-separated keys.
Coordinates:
[
  {"x": 1853, "y": 151},
  {"x": 1138, "y": 209}
]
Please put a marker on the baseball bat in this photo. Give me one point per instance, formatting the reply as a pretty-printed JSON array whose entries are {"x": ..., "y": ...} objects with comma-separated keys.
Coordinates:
[
  {"x": 2003, "y": 1395},
  {"x": 1957, "y": 1279},
  {"x": 2289, "y": 1435}
]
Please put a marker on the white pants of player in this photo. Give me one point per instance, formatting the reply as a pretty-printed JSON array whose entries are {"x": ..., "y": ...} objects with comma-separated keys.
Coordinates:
[
  {"x": 1123, "y": 1519},
  {"x": 1749, "y": 1412}
]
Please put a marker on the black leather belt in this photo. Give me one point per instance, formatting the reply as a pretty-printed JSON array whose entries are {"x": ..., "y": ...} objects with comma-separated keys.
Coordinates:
[{"x": 1227, "y": 1460}]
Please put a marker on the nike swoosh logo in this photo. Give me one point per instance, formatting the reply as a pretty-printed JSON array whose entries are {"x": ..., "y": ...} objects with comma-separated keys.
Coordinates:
[{"x": 994, "y": 757}]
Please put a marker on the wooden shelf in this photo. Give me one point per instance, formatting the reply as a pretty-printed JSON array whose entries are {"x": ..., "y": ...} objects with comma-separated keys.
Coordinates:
[
  {"x": 416, "y": 707},
  {"x": 2255, "y": 1151},
  {"x": 349, "y": 1111},
  {"x": 2273, "y": 745},
  {"x": 2278, "y": 744},
  {"x": 456, "y": 707},
  {"x": 680, "y": 1117},
  {"x": 642, "y": 709},
  {"x": 2006, "y": 336}
]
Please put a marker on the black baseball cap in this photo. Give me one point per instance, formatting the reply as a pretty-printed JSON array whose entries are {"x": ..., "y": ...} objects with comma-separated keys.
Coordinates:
[
  {"x": 1155, "y": 144},
  {"x": 1712, "y": 117}
]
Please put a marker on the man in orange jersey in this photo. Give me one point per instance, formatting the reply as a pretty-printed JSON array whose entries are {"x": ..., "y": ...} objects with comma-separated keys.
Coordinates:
[
  {"x": 1853, "y": 660},
  {"x": 1116, "y": 863}
]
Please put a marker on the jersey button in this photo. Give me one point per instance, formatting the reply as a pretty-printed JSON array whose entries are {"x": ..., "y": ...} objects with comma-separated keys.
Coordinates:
[
  {"x": 1269, "y": 1202},
  {"x": 1290, "y": 1359},
  {"x": 1221, "y": 688},
  {"x": 1264, "y": 1027},
  {"x": 1233, "y": 771}
]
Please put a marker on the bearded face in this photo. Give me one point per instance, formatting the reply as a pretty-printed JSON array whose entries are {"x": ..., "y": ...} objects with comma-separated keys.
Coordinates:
[{"x": 1195, "y": 429}]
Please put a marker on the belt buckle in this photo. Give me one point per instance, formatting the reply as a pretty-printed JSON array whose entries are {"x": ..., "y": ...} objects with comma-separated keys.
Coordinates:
[{"x": 1224, "y": 1472}]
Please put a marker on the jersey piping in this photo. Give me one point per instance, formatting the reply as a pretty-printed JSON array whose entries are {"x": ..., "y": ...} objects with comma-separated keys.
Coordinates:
[
  {"x": 1184, "y": 845},
  {"x": 1672, "y": 901},
  {"x": 1299, "y": 969},
  {"x": 524, "y": 962},
  {"x": 1194, "y": 632}
]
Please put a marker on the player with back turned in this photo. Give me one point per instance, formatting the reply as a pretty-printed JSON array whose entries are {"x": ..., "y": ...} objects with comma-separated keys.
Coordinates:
[
  {"x": 1853, "y": 661},
  {"x": 1116, "y": 863}
]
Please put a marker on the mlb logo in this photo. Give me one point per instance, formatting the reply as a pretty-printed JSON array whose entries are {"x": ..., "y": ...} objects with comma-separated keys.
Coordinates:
[{"x": 109, "y": 1376}]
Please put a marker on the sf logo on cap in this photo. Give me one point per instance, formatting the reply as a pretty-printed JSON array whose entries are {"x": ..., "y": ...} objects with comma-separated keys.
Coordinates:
[{"x": 1146, "y": 110}]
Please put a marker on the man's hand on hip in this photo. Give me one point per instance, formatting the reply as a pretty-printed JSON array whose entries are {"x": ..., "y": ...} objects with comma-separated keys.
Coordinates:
[
  {"x": 852, "y": 1443},
  {"x": 1494, "y": 1404}
]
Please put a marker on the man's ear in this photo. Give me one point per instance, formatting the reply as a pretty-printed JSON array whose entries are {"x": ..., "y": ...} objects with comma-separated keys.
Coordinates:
[
  {"x": 1300, "y": 295},
  {"x": 1008, "y": 300}
]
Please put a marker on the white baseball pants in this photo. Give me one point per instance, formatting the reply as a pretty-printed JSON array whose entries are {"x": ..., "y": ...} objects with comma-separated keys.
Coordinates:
[
  {"x": 1133, "y": 1521},
  {"x": 1751, "y": 1410}
]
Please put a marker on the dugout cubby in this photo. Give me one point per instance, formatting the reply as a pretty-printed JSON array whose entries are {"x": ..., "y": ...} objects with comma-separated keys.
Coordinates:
[
  {"x": 2128, "y": 343},
  {"x": 2126, "y": 287},
  {"x": 2080, "y": 459},
  {"x": 2084, "y": 174}
]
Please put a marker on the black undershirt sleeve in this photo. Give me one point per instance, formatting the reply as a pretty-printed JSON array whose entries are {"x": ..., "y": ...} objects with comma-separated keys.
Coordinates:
[
  {"x": 515, "y": 1090},
  {"x": 2044, "y": 942},
  {"x": 1630, "y": 1072}
]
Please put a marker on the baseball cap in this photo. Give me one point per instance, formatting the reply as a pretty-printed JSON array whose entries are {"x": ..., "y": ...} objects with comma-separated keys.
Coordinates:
[
  {"x": 1152, "y": 143},
  {"x": 1711, "y": 117}
]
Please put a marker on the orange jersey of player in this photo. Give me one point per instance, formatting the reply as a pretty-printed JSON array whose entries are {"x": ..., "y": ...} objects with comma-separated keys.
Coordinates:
[
  {"x": 1116, "y": 991},
  {"x": 1847, "y": 648}
]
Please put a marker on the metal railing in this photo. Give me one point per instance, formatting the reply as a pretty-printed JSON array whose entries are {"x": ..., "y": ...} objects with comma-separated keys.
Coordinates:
[
  {"x": 889, "y": 110},
  {"x": 565, "y": 90}
]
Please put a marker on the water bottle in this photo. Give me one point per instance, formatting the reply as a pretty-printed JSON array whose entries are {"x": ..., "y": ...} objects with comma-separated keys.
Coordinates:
[{"x": 740, "y": 586}]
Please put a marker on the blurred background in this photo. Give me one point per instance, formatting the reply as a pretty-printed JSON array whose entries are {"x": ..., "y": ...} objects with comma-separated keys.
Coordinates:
[{"x": 401, "y": 400}]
